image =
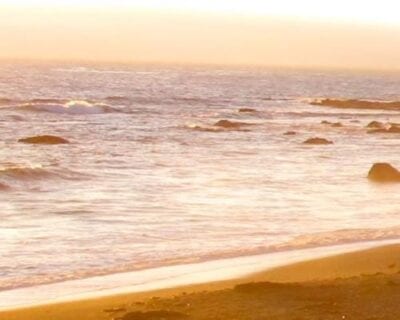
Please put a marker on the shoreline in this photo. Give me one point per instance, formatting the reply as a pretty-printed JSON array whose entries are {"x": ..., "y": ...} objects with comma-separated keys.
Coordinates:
[
  {"x": 144, "y": 282},
  {"x": 361, "y": 284}
]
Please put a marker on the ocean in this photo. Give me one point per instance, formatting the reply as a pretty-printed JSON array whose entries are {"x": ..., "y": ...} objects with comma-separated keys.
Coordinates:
[{"x": 148, "y": 180}]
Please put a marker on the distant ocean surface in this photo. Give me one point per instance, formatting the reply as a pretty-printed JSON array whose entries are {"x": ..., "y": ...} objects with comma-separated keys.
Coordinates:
[{"x": 148, "y": 180}]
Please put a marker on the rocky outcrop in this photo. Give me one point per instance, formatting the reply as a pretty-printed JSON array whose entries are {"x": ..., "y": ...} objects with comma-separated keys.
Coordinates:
[
  {"x": 394, "y": 128},
  {"x": 45, "y": 139},
  {"x": 358, "y": 104},
  {"x": 384, "y": 172},
  {"x": 318, "y": 141}
]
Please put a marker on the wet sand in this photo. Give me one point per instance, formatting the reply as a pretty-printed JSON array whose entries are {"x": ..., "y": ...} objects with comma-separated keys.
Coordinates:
[{"x": 361, "y": 285}]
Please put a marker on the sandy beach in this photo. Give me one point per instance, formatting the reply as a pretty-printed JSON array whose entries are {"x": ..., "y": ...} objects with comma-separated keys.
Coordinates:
[{"x": 359, "y": 285}]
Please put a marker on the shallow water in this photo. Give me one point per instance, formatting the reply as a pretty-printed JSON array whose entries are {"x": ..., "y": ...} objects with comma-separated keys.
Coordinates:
[{"x": 140, "y": 186}]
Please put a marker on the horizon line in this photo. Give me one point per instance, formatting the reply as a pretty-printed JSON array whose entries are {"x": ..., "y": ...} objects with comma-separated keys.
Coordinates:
[{"x": 11, "y": 60}]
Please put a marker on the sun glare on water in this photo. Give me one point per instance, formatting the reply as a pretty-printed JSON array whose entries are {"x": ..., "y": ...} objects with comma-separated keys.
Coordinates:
[{"x": 383, "y": 11}]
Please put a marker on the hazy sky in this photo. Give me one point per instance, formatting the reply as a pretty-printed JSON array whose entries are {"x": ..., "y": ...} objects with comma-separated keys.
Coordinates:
[{"x": 351, "y": 33}]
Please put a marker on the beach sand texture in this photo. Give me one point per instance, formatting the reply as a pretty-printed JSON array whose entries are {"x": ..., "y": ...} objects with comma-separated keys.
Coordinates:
[{"x": 362, "y": 285}]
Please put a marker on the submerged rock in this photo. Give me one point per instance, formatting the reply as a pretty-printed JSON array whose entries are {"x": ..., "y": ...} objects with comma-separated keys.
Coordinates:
[
  {"x": 337, "y": 125},
  {"x": 326, "y": 122},
  {"x": 394, "y": 128},
  {"x": 317, "y": 141},
  {"x": 290, "y": 133},
  {"x": 358, "y": 104},
  {"x": 391, "y": 129},
  {"x": 247, "y": 110},
  {"x": 384, "y": 172},
  {"x": 227, "y": 124},
  {"x": 45, "y": 139},
  {"x": 375, "y": 125}
]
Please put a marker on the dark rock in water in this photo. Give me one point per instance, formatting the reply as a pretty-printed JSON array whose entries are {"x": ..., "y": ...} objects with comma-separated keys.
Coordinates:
[
  {"x": 394, "y": 129},
  {"x": 317, "y": 141},
  {"x": 358, "y": 104},
  {"x": 46, "y": 139},
  {"x": 230, "y": 124},
  {"x": 290, "y": 133},
  {"x": 355, "y": 121},
  {"x": 248, "y": 110},
  {"x": 154, "y": 315},
  {"x": 375, "y": 125},
  {"x": 384, "y": 172},
  {"x": 325, "y": 122},
  {"x": 391, "y": 129},
  {"x": 337, "y": 125}
]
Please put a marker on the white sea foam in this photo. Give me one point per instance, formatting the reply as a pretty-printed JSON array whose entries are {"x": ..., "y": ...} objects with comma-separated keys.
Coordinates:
[{"x": 71, "y": 107}]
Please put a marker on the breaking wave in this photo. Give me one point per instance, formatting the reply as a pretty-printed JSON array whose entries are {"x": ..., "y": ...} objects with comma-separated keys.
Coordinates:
[
  {"x": 345, "y": 236},
  {"x": 15, "y": 175},
  {"x": 69, "y": 107}
]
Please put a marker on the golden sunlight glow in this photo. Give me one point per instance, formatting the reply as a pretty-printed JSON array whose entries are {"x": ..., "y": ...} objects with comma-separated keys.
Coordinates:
[
  {"x": 383, "y": 11},
  {"x": 343, "y": 33}
]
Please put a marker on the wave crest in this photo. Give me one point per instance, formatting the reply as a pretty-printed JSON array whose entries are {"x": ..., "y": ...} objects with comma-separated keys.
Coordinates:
[
  {"x": 69, "y": 107},
  {"x": 16, "y": 174},
  {"x": 5, "y": 101},
  {"x": 345, "y": 236}
]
